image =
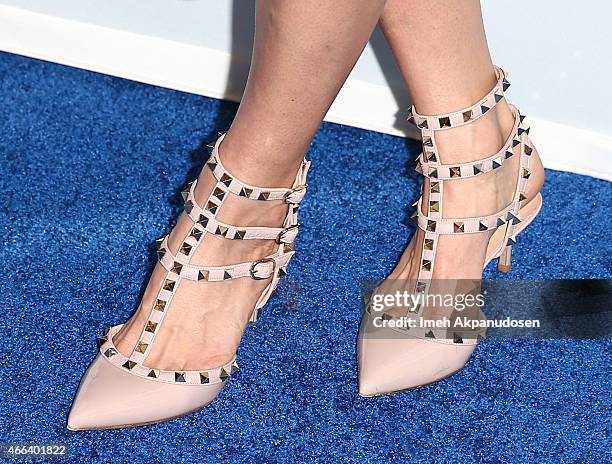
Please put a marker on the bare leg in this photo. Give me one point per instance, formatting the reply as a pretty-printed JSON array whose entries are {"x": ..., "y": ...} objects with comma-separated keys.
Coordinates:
[
  {"x": 303, "y": 53},
  {"x": 443, "y": 55}
]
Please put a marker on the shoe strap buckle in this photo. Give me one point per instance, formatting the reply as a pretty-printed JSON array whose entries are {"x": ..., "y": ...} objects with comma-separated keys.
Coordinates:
[
  {"x": 281, "y": 235},
  {"x": 297, "y": 189},
  {"x": 253, "y": 270}
]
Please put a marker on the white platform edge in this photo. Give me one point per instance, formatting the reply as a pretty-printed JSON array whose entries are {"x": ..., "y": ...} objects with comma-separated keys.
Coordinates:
[{"x": 204, "y": 71}]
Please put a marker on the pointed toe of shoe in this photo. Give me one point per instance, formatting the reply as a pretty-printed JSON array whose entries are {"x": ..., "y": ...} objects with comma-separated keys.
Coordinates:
[
  {"x": 389, "y": 362},
  {"x": 109, "y": 397}
]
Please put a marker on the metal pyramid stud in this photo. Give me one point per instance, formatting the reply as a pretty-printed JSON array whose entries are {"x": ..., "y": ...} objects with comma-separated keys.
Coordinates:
[
  {"x": 247, "y": 191},
  {"x": 468, "y": 115},
  {"x": 509, "y": 153},
  {"x": 176, "y": 267},
  {"x": 500, "y": 221},
  {"x": 282, "y": 271},
  {"x": 522, "y": 117},
  {"x": 505, "y": 84},
  {"x": 434, "y": 206},
  {"x": 211, "y": 145},
  {"x": 477, "y": 168},
  {"x": 204, "y": 378},
  {"x": 522, "y": 197},
  {"x": 110, "y": 352},
  {"x": 414, "y": 215},
  {"x": 152, "y": 374},
  {"x": 430, "y": 334},
  {"x": 497, "y": 163},
  {"x": 223, "y": 375},
  {"x": 423, "y": 124},
  {"x": 418, "y": 168},
  {"x": 458, "y": 227},
  {"x": 429, "y": 244},
  {"x": 263, "y": 195},
  {"x": 431, "y": 156},
  {"x": 235, "y": 366},
  {"x": 203, "y": 275},
  {"x": 426, "y": 265},
  {"x": 222, "y": 230},
  {"x": 427, "y": 141},
  {"x": 457, "y": 338},
  {"x": 484, "y": 109},
  {"x": 482, "y": 226},
  {"x": 511, "y": 240},
  {"x": 240, "y": 234},
  {"x": 185, "y": 194},
  {"x": 188, "y": 207},
  {"x": 212, "y": 207},
  {"x": 161, "y": 254},
  {"x": 515, "y": 219},
  {"x": 151, "y": 327},
  {"x": 160, "y": 305},
  {"x": 414, "y": 205},
  {"x": 455, "y": 171},
  {"x": 431, "y": 225},
  {"x": 196, "y": 233},
  {"x": 409, "y": 114},
  {"x": 212, "y": 166},
  {"x": 203, "y": 220},
  {"x": 444, "y": 122},
  {"x": 516, "y": 141},
  {"x": 498, "y": 98},
  {"x": 420, "y": 287},
  {"x": 129, "y": 364},
  {"x": 179, "y": 377},
  {"x": 526, "y": 173},
  {"x": 219, "y": 193},
  {"x": 186, "y": 248},
  {"x": 528, "y": 150},
  {"x": 228, "y": 274},
  {"x": 433, "y": 172},
  {"x": 102, "y": 340},
  {"x": 435, "y": 187},
  {"x": 226, "y": 179},
  {"x": 142, "y": 347},
  {"x": 158, "y": 243}
]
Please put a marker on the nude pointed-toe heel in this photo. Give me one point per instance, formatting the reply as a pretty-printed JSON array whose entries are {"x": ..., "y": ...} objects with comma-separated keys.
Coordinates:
[
  {"x": 391, "y": 360},
  {"x": 123, "y": 391}
]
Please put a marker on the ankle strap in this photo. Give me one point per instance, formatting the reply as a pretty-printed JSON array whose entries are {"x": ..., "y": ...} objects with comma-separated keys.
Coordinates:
[
  {"x": 428, "y": 163},
  {"x": 293, "y": 195},
  {"x": 466, "y": 115}
]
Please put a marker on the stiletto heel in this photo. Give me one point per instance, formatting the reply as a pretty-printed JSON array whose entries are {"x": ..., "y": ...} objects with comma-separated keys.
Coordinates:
[
  {"x": 122, "y": 391},
  {"x": 504, "y": 265},
  {"x": 390, "y": 362}
]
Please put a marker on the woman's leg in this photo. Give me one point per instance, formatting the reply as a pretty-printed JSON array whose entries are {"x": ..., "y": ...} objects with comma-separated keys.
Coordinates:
[
  {"x": 303, "y": 52},
  {"x": 442, "y": 52}
]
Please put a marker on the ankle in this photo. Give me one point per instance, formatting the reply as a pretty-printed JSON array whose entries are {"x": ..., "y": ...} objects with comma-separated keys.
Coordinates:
[
  {"x": 477, "y": 140},
  {"x": 263, "y": 164}
]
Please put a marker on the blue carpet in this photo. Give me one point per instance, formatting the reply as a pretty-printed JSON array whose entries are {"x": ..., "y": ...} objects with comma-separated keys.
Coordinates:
[{"x": 91, "y": 170}]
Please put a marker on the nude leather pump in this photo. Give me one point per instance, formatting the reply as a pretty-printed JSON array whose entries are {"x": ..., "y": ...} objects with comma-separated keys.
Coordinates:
[
  {"x": 392, "y": 359},
  {"x": 119, "y": 391}
]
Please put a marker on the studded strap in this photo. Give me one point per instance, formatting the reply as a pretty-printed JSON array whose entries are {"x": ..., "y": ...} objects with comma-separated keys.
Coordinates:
[
  {"x": 466, "y": 115},
  {"x": 211, "y": 376},
  {"x": 293, "y": 195},
  {"x": 429, "y": 166},
  {"x": 179, "y": 266}
]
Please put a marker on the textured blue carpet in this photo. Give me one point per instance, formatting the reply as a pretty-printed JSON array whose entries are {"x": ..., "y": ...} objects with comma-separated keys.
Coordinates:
[{"x": 91, "y": 170}]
